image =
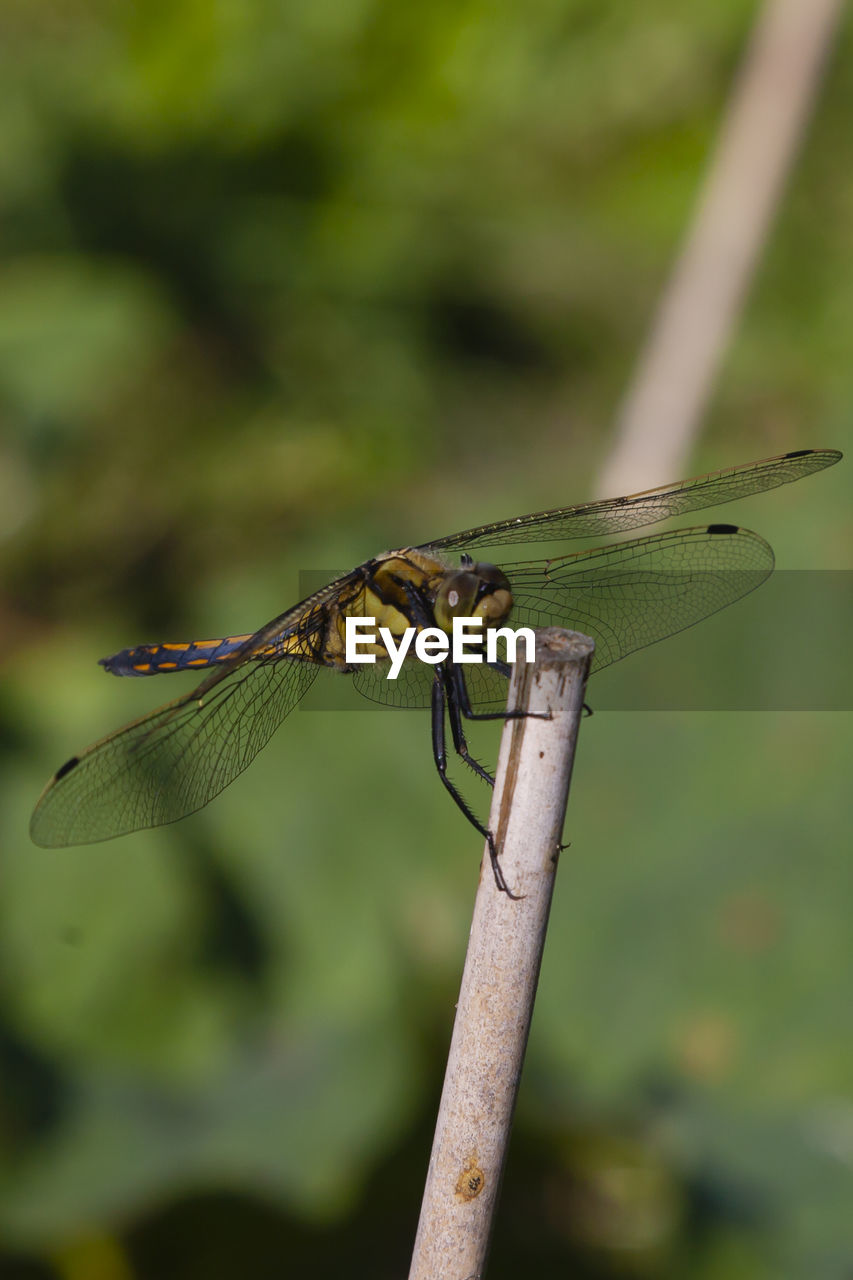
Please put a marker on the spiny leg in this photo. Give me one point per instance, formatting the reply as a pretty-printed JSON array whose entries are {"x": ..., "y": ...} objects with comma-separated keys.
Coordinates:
[
  {"x": 451, "y": 679},
  {"x": 439, "y": 699},
  {"x": 461, "y": 692}
]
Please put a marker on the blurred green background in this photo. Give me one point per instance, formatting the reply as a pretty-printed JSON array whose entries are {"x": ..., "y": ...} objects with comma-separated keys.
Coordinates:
[{"x": 283, "y": 285}]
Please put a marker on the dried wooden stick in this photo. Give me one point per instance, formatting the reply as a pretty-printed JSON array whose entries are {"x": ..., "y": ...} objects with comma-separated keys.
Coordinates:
[{"x": 502, "y": 965}]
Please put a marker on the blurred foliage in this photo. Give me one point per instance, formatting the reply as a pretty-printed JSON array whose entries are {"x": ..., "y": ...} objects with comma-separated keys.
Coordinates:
[{"x": 283, "y": 285}]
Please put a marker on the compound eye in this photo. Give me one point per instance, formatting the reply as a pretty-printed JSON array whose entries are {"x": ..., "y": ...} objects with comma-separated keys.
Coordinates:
[{"x": 456, "y": 598}]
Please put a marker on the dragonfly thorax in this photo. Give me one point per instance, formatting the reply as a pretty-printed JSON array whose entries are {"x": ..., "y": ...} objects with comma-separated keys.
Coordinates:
[{"x": 477, "y": 591}]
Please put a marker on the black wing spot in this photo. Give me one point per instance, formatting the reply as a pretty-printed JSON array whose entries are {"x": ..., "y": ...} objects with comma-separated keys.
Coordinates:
[
  {"x": 67, "y": 767},
  {"x": 799, "y": 453},
  {"x": 723, "y": 528}
]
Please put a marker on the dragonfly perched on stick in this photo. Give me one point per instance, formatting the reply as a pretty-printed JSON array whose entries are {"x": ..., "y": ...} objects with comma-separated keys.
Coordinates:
[{"x": 174, "y": 760}]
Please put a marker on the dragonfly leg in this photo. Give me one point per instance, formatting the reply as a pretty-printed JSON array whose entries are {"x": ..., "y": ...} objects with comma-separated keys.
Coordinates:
[
  {"x": 439, "y": 751},
  {"x": 464, "y": 702},
  {"x": 459, "y": 741}
]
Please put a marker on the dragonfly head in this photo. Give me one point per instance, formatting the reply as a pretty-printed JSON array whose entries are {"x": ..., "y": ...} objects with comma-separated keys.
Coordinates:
[{"x": 476, "y": 591}]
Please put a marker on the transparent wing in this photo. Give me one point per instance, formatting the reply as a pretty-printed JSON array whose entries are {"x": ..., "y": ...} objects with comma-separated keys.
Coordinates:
[
  {"x": 174, "y": 760},
  {"x": 413, "y": 686},
  {"x": 632, "y": 594},
  {"x": 615, "y": 515}
]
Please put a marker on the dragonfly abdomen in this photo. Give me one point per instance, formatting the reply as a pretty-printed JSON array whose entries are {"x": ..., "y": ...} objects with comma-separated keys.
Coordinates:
[{"x": 154, "y": 659}]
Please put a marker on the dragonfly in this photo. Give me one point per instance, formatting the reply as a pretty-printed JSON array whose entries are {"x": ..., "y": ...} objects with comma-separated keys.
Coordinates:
[{"x": 626, "y": 595}]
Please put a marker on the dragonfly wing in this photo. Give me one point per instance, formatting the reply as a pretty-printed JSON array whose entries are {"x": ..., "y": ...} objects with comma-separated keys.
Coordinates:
[
  {"x": 616, "y": 515},
  {"x": 632, "y": 594},
  {"x": 413, "y": 686},
  {"x": 172, "y": 761}
]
